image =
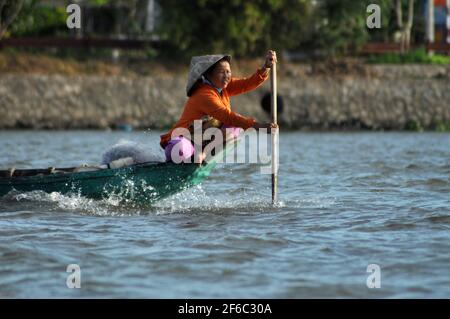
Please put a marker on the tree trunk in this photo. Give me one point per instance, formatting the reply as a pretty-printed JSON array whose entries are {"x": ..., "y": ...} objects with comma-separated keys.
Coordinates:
[
  {"x": 409, "y": 24},
  {"x": 399, "y": 14},
  {"x": 150, "y": 21},
  {"x": 430, "y": 22},
  {"x": 405, "y": 28},
  {"x": 10, "y": 9}
]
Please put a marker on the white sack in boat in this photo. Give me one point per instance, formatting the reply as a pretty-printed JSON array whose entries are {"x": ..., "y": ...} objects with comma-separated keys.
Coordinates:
[{"x": 138, "y": 152}]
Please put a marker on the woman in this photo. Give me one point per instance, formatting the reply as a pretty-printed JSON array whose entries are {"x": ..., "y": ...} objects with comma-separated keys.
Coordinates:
[{"x": 209, "y": 89}]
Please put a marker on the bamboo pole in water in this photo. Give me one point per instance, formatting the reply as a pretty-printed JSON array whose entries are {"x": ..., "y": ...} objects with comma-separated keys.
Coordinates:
[{"x": 273, "y": 108}]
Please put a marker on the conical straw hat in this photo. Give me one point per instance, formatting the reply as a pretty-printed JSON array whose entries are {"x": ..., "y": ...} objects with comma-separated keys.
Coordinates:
[{"x": 199, "y": 65}]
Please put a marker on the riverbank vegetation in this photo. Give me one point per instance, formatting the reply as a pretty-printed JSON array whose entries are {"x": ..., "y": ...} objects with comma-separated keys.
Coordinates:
[
  {"x": 418, "y": 56},
  {"x": 304, "y": 29}
]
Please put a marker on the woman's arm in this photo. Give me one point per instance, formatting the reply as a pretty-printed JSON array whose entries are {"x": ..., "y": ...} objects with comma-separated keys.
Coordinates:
[
  {"x": 239, "y": 86},
  {"x": 243, "y": 85},
  {"x": 211, "y": 105}
]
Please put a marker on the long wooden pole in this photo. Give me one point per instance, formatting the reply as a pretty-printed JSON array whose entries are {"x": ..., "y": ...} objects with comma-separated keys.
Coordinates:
[{"x": 273, "y": 108}]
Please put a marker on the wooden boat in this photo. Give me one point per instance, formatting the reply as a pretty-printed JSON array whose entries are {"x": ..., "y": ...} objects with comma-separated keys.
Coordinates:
[{"x": 144, "y": 183}]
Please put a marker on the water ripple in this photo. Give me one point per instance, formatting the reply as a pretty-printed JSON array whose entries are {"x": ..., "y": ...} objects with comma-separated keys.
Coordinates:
[{"x": 345, "y": 201}]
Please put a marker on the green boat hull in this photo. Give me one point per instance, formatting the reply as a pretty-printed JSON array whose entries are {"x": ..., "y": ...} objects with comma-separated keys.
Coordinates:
[{"x": 140, "y": 183}]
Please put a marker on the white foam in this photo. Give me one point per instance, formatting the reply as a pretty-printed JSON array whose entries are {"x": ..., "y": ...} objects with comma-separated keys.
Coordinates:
[{"x": 74, "y": 202}]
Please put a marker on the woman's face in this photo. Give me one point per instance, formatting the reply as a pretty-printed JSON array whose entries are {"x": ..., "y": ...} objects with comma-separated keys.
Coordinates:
[{"x": 221, "y": 75}]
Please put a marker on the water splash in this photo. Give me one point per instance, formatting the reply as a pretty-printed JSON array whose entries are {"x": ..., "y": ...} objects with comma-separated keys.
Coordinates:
[
  {"x": 199, "y": 200},
  {"x": 73, "y": 202}
]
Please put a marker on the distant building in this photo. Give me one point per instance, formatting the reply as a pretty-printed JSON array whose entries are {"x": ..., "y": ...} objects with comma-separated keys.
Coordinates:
[{"x": 441, "y": 20}]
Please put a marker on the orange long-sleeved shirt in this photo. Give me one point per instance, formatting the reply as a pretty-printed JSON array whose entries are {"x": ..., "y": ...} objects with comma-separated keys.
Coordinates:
[{"x": 205, "y": 100}]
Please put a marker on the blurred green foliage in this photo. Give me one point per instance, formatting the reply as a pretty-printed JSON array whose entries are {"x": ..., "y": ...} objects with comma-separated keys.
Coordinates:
[
  {"x": 342, "y": 24},
  {"x": 414, "y": 126},
  {"x": 442, "y": 127},
  {"x": 36, "y": 19},
  {"x": 419, "y": 56},
  {"x": 248, "y": 27},
  {"x": 237, "y": 26},
  {"x": 240, "y": 27}
]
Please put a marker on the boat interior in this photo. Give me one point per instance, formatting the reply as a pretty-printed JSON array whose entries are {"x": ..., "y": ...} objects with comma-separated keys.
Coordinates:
[{"x": 13, "y": 172}]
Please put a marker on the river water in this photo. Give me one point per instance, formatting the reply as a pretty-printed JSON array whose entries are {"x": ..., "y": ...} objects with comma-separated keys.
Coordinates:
[{"x": 346, "y": 201}]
